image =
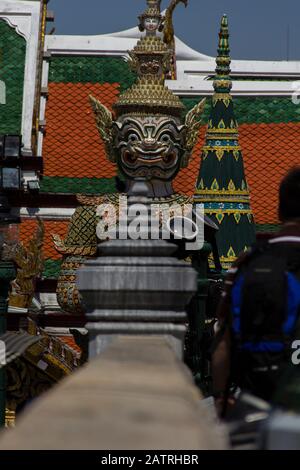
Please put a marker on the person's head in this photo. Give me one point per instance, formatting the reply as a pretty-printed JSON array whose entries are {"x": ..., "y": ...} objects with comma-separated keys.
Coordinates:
[{"x": 289, "y": 196}]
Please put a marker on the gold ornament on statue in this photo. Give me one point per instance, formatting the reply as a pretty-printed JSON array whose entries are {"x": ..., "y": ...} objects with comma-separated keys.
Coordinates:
[
  {"x": 104, "y": 120},
  {"x": 193, "y": 123},
  {"x": 29, "y": 262},
  {"x": 169, "y": 33}
]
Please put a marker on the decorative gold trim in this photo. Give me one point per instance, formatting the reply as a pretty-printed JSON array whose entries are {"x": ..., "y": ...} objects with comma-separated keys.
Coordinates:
[
  {"x": 231, "y": 186},
  {"x": 228, "y": 137},
  {"x": 57, "y": 363},
  {"x": 149, "y": 93},
  {"x": 222, "y": 84},
  {"x": 224, "y": 97},
  {"x": 193, "y": 123},
  {"x": 220, "y": 150},
  {"x": 29, "y": 262},
  {"x": 227, "y": 130},
  {"x": 237, "y": 217},
  {"x": 10, "y": 418},
  {"x": 174, "y": 198},
  {"x": 226, "y": 261},
  {"x": 228, "y": 211},
  {"x": 72, "y": 249},
  {"x": 221, "y": 192},
  {"x": 227, "y": 148},
  {"x": 220, "y": 217},
  {"x": 104, "y": 121},
  {"x": 229, "y": 200}
]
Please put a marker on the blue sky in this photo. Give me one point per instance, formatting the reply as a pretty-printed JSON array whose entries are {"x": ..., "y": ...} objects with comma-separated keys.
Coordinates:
[{"x": 259, "y": 28}]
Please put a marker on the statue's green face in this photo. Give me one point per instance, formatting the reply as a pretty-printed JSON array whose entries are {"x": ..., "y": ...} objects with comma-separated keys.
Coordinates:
[{"x": 149, "y": 146}]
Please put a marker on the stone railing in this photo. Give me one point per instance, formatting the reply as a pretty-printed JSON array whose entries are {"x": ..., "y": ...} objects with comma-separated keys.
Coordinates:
[{"x": 136, "y": 395}]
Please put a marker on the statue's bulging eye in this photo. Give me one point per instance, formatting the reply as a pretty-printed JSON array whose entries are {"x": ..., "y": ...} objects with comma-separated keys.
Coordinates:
[
  {"x": 165, "y": 138},
  {"x": 132, "y": 137}
]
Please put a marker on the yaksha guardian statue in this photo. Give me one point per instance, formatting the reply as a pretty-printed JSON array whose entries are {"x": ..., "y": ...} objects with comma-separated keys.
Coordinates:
[{"x": 145, "y": 136}]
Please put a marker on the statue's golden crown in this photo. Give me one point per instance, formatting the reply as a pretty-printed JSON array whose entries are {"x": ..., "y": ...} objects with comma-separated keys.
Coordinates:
[{"x": 151, "y": 60}]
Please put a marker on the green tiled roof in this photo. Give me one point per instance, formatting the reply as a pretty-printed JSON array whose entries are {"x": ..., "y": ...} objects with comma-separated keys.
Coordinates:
[
  {"x": 256, "y": 110},
  {"x": 82, "y": 69},
  {"x": 267, "y": 228},
  {"x": 57, "y": 184},
  {"x": 12, "y": 65}
]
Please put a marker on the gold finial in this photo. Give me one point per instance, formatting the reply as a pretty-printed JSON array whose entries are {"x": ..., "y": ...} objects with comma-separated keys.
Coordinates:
[
  {"x": 154, "y": 4},
  {"x": 169, "y": 33}
]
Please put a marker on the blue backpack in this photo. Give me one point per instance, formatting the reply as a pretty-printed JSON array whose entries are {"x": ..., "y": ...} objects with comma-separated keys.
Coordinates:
[{"x": 265, "y": 304}]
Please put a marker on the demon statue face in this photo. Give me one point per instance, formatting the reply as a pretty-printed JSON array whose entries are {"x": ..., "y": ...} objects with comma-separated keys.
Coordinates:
[
  {"x": 149, "y": 146},
  {"x": 154, "y": 146}
]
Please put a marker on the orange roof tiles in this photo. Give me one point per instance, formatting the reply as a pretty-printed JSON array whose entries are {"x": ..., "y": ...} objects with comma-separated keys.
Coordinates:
[
  {"x": 72, "y": 146},
  {"x": 269, "y": 151},
  {"x": 186, "y": 179},
  {"x": 28, "y": 228}
]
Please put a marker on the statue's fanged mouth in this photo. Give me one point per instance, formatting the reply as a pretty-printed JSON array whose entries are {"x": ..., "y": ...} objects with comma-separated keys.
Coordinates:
[{"x": 165, "y": 160}]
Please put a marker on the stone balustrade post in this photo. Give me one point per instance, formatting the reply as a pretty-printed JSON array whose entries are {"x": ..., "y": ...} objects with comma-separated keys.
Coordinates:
[{"x": 136, "y": 287}]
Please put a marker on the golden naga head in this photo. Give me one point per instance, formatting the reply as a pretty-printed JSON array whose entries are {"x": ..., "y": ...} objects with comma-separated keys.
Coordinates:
[{"x": 146, "y": 135}]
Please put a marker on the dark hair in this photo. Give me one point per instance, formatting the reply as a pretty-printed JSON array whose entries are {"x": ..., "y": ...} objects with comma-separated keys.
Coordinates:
[{"x": 289, "y": 195}]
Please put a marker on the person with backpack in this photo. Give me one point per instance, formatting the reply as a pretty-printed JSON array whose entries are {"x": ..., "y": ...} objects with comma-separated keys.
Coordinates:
[{"x": 259, "y": 312}]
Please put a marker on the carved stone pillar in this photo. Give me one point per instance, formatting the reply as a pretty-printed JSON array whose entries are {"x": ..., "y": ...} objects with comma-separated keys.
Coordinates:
[{"x": 136, "y": 287}]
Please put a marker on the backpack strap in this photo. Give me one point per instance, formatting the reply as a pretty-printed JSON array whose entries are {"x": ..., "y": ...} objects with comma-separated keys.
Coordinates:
[
  {"x": 237, "y": 288},
  {"x": 233, "y": 274},
  {"x": 293, "y": 304}
]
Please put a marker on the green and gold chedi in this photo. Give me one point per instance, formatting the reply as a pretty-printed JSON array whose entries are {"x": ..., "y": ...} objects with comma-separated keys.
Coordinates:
[{"x": 222, "y": 185}]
